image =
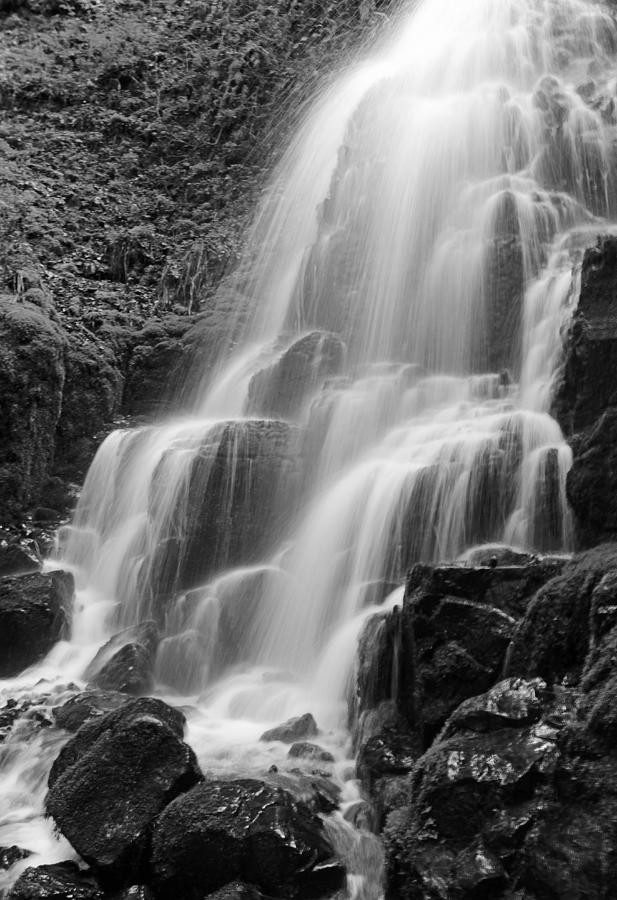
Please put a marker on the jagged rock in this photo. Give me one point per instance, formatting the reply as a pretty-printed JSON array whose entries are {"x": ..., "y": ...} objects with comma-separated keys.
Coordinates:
[
  {"x": 33, "y": 613},
  {"x": 17, "y": 559},
  {"x": 592, "y": 481},
  {"x": 306, "y": 750},
  {"x": 10, "y": 855},
  {"x": 281, "y": 390},
  {"x": 315, "y": 791},
  {"x": 236, "y": 891},
  {"x": 229, "y": 513},
  {"x": 553, "y": 638},
  {"x": 31, "y": 383},
  {"x": 126, "y": 662},
  {"x": 511, "y": 703},
  {"x": 457, "y": 624},
  {"x": 111, "y": 781},
  {"x": 292, "y": 730},
  {"x": 87, "y": 705},
  {"x": 61, "y": 881},
  {"x": 587, "y": 388},
  {"x": 225, "y": 830},
  {"x": 498, "y": 555}
]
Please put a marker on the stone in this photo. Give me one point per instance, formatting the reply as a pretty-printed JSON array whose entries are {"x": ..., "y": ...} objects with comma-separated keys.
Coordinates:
[
  {"x": 19, "y": 559},
  {"x": 235, "y": 890},
  {"x": 10, "y": 855},
  {"x": 313, "y": 752},
  {"x": 34, "y": 610},
  {"x": 126, "y": 662},
  {"x": 553, "y": 638},
  {"x": 281, "y": 390},
  {"x": 226, "y": 830},
  {"x": 61, "y": 881},
  {"x": 111, "y": 781},
  {"x": 87, "y": 705},
  {"x": 292, "y": 730}
]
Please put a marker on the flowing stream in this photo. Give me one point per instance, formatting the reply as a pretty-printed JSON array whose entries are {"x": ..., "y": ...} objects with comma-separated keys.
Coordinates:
[{"x": 386, "y": 399}]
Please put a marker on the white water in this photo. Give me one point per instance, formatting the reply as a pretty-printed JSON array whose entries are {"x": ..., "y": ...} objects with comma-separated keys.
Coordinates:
[{"x": 432, "y": 212}]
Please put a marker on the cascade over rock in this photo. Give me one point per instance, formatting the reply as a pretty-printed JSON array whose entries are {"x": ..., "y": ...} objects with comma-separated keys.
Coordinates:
[{"x": 375, "y": 394}]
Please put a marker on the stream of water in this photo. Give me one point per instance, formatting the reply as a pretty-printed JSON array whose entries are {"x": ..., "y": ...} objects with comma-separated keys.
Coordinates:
[{"x": 408, "y": 278}]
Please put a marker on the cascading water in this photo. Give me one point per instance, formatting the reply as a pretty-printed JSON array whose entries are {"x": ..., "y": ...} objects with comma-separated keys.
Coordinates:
[{"x": 409, "y": 274}]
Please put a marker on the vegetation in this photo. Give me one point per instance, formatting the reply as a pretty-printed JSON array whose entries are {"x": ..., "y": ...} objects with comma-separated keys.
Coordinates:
[{"x": 135, "y": 135}]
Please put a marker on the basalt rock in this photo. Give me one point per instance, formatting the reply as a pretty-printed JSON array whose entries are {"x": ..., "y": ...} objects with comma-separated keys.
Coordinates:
[
  {"x": 10, "y": 855},
  {"x": 553, "y": 638},
  {"x": 19, "y": 559},
  {"x": 112, "y": 780},
  {"x": 92, "y": 704},
  {"x": 125, "y": 663},
  {"x": 306, "y": 750},
  {"x": 247, "y": 830},
  {"x": 229, "y": 513},
  {"x": 61, "y": 881},
  {"x": 281, "y": 390},
  {"x": 293, "y": 730},
  {"x": 34, "y": 610},
  {"x": 236, "y": 890},
  {"x": 508, "y": 804},
  {"x": 585, "y": 402}
]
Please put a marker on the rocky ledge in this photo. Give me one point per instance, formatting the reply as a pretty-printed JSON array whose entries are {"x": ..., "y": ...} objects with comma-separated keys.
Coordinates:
[{"x": 486, "y": 731}]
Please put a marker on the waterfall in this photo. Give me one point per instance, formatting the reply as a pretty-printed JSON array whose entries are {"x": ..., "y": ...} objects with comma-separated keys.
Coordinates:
[{"x": 385, "y": 397}]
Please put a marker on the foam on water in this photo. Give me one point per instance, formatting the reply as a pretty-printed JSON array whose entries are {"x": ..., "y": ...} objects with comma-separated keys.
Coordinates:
[{"x": 431, "y": 212}]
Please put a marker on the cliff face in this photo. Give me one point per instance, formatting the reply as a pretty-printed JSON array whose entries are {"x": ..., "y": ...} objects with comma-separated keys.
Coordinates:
[{"x": 134, "y": 139}]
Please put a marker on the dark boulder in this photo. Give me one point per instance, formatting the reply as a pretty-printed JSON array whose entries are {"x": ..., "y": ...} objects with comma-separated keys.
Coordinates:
[
  {"x": 314, "y": 789},
  {"x": 72, "y": 714},
  {"x": 313, "y": 752},
  {"x": 10, "y": 855},
  {"x": 292, "y": 730},
  {"x": 61, "y": 881},
  {"x": 34, "y": 610},
  {"x": 553, "y": 638},
  {"x": 126, "y": 662},
  {"x": 19, "y": 559},
  {"x": 226, "y": 830},
  {"x": 111, "y": 781},
  {"x": 281, "y": 390}
]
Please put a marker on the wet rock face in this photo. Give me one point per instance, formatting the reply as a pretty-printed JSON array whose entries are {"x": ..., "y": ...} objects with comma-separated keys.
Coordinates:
[
  {"x": 111, "y": 781},
  {"x": 34, "y": 610},
  {"x": 293, "y": 730},
  {"x": 585, "y": 402},
  {"x": 281, "y": 390},
  {"x": 61, "y": 880},
  {"x": 224, "y": 830},
  {"x": 126, "y": 662},
  {"x": 516, "y": 796},
  {"x": 229, "y": 513}
]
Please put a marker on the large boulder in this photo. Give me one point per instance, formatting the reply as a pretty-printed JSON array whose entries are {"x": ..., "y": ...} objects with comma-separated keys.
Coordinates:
[
  {"x": 292, "y": 730},
  {"x": 86, "y": 705},
  {"x": 506, "y": 801},
  {"x": 126, "y": 662},
  {"x": 60, "y": 881},
  {"x": 282, "y": 389},
  {"x": 31, "y": 384},
  {"x": 34, "y": 610},
  {"x": 112, "y": 779},
  {"x": 226, "y": 830}
]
